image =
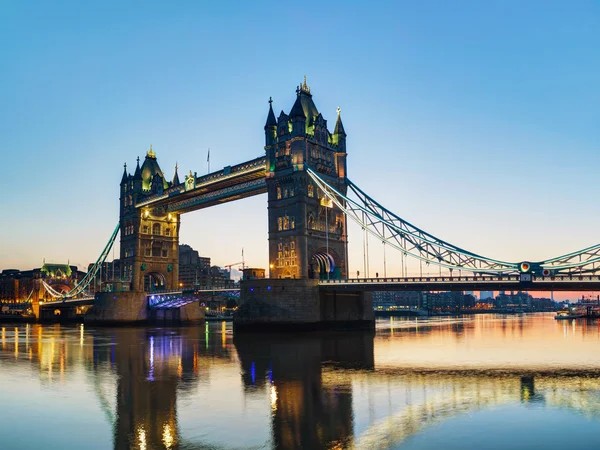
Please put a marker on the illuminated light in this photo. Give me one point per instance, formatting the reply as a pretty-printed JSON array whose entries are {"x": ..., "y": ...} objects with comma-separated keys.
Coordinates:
[
  {"x": 268, "y": 288},
  {"x": 168, "y": 438},
  {"x": 326, "y": 202},
  {"x": 273, "y": 398},
  {"x": 146, "y": 213},
  {"x": 271, "y": 266},
  {"x": 142, "y": 438}
]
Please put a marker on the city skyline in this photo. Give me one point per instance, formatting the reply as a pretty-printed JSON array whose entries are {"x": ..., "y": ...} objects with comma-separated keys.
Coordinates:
[{"x": 503, "y": 129}]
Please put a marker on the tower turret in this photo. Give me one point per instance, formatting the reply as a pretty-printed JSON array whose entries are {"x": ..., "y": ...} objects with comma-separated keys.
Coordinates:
[
  {"x": 175, "y": 177},
  {"x": 270, "y": 126},
  {"x": 124, "y": 177},
  {"x": 339, "y": 134}
]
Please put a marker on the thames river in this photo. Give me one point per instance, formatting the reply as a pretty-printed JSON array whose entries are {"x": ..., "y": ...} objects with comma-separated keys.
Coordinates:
[{"x": 485, "y": 381}]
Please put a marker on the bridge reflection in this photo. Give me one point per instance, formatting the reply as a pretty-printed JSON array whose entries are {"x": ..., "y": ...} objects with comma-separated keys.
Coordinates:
[
  {"x": 306, "y": 411},
  {"x": 308, "y": 391}
]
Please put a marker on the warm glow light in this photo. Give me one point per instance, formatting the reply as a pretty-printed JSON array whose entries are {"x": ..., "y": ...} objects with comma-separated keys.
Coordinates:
[
  {"x": 142, "y": 438},
  {"x": 273, "y": 397},
  {"x": 168, "y": 438}
]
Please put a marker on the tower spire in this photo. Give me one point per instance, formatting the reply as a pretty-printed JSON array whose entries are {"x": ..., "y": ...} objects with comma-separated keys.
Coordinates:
[
  {"x": 271, "y": 122},
  {"x": 176, "y": 176},
  {"x": 138, "y": 171},
  {"x": 339, "y": 127},
  {"x": 124, "y": 178}
]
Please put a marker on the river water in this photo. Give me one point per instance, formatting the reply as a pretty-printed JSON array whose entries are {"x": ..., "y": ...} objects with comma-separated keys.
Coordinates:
[{"x": 486, "y": 381}]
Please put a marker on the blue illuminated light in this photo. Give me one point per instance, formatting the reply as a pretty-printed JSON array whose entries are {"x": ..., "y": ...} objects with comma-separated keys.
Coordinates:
[
  {"x": 268, "y": 288},
  {"x": 253, "y": 372}
]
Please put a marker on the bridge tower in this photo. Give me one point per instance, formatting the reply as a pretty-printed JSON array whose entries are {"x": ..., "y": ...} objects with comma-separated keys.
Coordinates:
[
  {"x": 149, "y": 236},
  {"x": 307, "y": 234}
]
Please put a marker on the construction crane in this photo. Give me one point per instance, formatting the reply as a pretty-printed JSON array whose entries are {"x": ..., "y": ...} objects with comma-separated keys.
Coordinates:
[{"x": 228, "y": 266}]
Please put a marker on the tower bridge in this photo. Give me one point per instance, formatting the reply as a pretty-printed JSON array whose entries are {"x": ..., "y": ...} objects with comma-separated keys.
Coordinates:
[{"x": 303, "y": 171}]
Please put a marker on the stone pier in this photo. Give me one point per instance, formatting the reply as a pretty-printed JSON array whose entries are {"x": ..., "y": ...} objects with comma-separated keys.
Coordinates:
[
  {"x": 132, "y": 308},
  {"x": 298, "y": 304}
]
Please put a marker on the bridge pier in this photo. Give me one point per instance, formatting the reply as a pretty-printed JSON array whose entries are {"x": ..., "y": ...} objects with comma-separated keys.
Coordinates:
[
  {"x": 132, "y": 308},
  {"x": 299, "y": 304}
]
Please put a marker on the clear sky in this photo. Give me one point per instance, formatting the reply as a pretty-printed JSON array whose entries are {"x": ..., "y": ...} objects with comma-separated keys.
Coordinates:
[{"x": 475, "y": 120}]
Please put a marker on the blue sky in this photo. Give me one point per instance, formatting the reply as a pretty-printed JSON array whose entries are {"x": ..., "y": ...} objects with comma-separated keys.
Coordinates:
[{"x": 477, "y": 121}]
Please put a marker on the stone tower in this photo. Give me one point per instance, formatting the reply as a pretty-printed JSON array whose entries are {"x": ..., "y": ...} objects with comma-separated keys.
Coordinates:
[
  {"x": 149, "y": 236},
  {"x": 307, "y": 234}
]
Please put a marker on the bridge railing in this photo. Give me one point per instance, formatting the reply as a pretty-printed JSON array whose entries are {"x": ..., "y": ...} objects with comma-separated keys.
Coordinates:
[
  {"x": 472, "y": 279},
  {"x": 515, "y": 278}
]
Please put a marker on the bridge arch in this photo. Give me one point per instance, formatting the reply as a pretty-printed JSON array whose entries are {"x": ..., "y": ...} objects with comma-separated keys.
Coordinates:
[
  {"x": 154, "y": 281},
  {"x": 325, "y": 263}
]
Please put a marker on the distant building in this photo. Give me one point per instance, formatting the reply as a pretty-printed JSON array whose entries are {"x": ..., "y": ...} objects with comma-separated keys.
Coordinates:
[
  {"x": 20, "y": 285},
  {"x": 447, "y": 301},
  {"x": 253, "y": 274},
  {"x": 398, "y": 300},
  {"x": 194, "y": 270}
]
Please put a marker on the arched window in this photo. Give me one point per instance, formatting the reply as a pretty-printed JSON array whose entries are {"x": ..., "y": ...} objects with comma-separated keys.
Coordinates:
[{"x": 156, "y": 228}]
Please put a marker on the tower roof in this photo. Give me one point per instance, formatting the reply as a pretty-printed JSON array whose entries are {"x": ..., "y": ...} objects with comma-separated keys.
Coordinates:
[
  {"x": 271, "y": 122},
  {"x": 304, "y": 105},
  {"x": 151, "y": 168},
  {"x": 138, "y": 172},
  {"x": 176, "y": 177},
  {"x": 124, "y": 178},
  {"x": 339, "y": 127}
]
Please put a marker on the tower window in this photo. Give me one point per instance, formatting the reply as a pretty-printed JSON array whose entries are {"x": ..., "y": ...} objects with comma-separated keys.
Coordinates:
[
  {"x": 278, "y": 193},
  {"x": 156, "y": 228},
  {"x": 279, "y": 223},
  {"x": 311, "y": 190}
]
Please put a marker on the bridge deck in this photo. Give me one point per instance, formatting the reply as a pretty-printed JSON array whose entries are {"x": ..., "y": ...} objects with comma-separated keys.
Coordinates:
[
  {"x": 492, "y": 283},
  {"x": 230, "y": 183}
]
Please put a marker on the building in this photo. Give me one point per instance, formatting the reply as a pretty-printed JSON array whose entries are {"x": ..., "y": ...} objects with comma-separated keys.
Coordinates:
[
  {"x": 194, "y": 270},
  {"x": 18, "y": 286},
  {"x": 307, "y": 233},
  {"x": 385, "y": 300},
  {"x": 447, "y": 301}
]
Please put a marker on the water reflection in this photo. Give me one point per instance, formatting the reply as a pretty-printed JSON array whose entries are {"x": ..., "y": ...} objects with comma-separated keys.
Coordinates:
[
  {"x": 204, "y": 387},
  {"x": 307, "y": 412}
]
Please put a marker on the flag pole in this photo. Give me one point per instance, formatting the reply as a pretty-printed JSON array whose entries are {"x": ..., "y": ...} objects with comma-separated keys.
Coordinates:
[{"x": 208, "y": 160}]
